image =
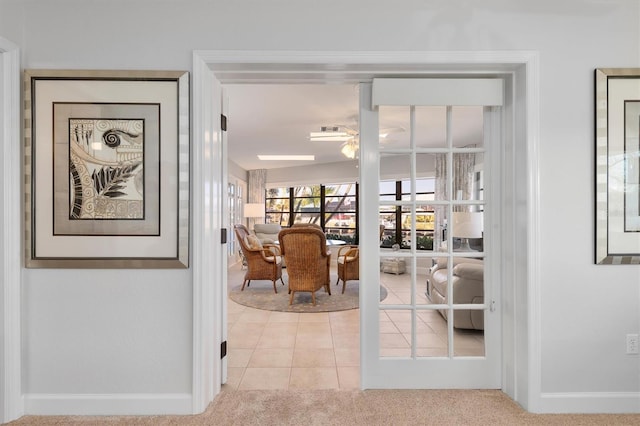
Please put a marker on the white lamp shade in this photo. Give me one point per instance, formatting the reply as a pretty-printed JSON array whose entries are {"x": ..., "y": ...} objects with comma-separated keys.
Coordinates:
[
  {"x": 467, "y": 225},
  {"x": 254, "y": 210}
]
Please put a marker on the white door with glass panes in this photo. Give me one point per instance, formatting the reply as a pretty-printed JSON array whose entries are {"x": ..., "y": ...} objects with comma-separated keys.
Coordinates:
[{"x": 434, "y": 183}]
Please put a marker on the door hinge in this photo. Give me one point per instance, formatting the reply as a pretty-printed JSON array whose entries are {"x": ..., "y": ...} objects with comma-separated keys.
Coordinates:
[
  {"x": 223, "y": 236},
  {"x": 223, "y": 122},
  {"x": 223, "y": 349},
  {"x": 492, "y": 306}
]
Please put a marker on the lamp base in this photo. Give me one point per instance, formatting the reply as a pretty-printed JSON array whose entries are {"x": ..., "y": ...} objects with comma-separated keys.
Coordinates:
[{"x": 464, "y": 245}]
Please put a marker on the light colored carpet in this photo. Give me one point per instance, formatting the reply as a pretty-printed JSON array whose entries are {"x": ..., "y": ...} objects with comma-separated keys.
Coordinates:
[
  {"x": 334, "y": 407},
  {"x": 260, "y": 295}
]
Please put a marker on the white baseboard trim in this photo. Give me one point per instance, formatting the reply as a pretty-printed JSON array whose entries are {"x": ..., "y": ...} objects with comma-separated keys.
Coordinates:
[
  {"x": 108, "y": 404},
  {"x": 590, "y": 402}
]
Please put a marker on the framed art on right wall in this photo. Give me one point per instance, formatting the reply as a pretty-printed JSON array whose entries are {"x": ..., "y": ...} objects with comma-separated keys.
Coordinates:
[{"x": 617, "y": 165}]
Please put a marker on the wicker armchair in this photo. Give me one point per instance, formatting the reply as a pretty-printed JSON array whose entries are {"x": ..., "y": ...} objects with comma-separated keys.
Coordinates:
[
  {"x": 264, "y": 262},
  {"x": 305, "y": 250},
  {"x": 348, "y": 265}
]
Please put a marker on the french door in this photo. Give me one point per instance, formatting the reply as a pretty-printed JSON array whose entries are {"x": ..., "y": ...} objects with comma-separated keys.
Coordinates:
[{"x": 438, "y": 323}]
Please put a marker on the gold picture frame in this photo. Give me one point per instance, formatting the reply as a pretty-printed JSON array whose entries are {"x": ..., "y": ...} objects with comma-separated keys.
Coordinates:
[
  {"x": 617, "y": 166},
  {"x": 106, "y": 169}
]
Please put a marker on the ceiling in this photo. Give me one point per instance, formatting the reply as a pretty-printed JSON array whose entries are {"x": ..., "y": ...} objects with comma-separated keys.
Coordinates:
[{"x": 277, "y": 118}]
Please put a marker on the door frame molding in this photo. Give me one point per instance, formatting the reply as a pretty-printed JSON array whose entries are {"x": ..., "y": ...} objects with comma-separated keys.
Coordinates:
[
  {"x": 521, "y": 349},
  {"x": 11, "y": 405}
]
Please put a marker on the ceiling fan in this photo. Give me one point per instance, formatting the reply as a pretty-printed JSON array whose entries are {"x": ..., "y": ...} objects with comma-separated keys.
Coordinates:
[{"x": 348, "y": 136}]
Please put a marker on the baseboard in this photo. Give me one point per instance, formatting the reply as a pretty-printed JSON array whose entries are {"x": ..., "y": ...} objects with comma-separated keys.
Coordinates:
[
  {"x": 590, "y": 402},
  {"x": 107, "y": 404}
]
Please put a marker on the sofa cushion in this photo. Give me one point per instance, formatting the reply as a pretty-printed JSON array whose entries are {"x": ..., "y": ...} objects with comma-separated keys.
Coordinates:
[{"x": 267, "y": 233}]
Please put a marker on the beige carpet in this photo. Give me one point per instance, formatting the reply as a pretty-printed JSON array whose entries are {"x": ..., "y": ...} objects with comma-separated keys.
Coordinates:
[{"x": 332, "y": 407}]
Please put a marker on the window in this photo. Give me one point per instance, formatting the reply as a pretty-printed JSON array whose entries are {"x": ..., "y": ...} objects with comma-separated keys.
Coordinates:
[
  {"x": 397, "y": 219},
  {"x": 335, "y": 208}
]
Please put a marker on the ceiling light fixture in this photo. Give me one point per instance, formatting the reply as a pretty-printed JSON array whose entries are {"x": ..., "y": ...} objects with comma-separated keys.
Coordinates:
[
  {"x": 349, "y": 149},
  {"x": 332, "y": 134},
  {"x": 286, "y": 157}
]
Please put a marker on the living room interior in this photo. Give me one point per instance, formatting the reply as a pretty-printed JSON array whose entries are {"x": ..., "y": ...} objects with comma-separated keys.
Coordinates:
[
  {"x": 116, "y": 342},
  {"x": 316, "y": 349}
]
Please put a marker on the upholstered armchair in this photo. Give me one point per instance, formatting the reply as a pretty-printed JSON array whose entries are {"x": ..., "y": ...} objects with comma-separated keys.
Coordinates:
[
  {"x": 467, "y": 285},
  {"x": 348, "y": 265},
  {"x": 305, "y": 250},
  {"x": 264, "y": 262}
]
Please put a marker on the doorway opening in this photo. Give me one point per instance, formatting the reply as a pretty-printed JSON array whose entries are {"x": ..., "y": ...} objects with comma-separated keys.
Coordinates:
[{"x": 521, "y": 71}]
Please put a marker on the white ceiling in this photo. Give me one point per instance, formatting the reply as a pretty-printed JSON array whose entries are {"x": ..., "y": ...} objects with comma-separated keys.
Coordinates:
[{"x": 277, "y": 118}]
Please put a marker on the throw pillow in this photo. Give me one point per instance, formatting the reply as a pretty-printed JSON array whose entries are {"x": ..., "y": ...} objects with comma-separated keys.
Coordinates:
[{"x": 253, "y": 242}]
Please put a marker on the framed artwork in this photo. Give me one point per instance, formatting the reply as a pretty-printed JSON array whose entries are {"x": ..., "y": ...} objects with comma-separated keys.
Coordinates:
[
  {"x": 107, "y": 169},
  {"x": 617, "y": 162}
]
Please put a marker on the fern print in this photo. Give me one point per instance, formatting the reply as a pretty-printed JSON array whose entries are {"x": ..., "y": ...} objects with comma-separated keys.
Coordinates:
[{"x": 110, "y": 181}]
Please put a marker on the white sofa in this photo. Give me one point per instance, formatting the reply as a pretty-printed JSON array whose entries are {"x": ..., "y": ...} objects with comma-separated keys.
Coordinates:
[
  {"x": 267, "y": 233},
  {"x": 468, "y": 283}
]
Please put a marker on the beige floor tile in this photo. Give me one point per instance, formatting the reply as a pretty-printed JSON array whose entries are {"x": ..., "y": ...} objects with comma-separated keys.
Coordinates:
[
  {"x": 284, "y": 317},
  {"x": 349, "y": 377},
  {"x": 265, "y": 378},
  {"x": 315, "y": 340},
  {"x": 314, "y": 327},
  {"x": 274, "y": 338},
  {"x": 393, "y": 340},
  {"x": 243, "y": 339},
  {"x": 313, "y": 357},
  {"x": 234, "y": 376},
  {"x": 271, "y": 357},
  {"x": 314, "y": 378},
  {"x": 255, "y": 315},
  {"x": 352, "y": 315},
  {"x": 388, "y": 327},
  {"x": 346, "y": 340},
  {"x": 429, "y": 340},
  {"x": 238, "y": 357},
  {"x": 314, "y": 317},
  {"x": 347, "y": 357},
  {"x": 281, "y": 327}
]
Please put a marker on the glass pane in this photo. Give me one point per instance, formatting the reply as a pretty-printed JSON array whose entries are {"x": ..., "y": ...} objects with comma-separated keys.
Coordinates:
[
  {"x": 467, "y": 126},
  {"x": 397, "y": 166},
  {"x": 467, "y": 176},
  {"x": 279, "y": 205},
  {"x": 342, "y": 189},
  {"x": 306, "y": 191},
  {"x": 278, "y": 192},
  {"x": 394, "y": 127},
  {"x": 343, "y": 203},
  {"x": 395, "y": 277},
  {"x": 467, "y": 230},
  {"x": 468, "y": 342},
  {"x": 395, "y": 328},
  {"x": 432, "y": 339},
  {"x": 431, "y": 127},
  {"x": 311, "y": 204},
  {"x": 280, "y": 218},
  {"x": 306, "y": 218},
  {"x": 388, "y": 187}
]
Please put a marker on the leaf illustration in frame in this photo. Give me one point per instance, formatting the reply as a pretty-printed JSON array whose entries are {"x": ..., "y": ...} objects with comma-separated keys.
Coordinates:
[{"x": 109, "y": 181}]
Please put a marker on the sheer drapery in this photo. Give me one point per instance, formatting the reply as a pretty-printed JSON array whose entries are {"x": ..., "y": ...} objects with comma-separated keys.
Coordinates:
[
  {"x": 256, "y": 184},
  {"x": 463, "y": 169}
]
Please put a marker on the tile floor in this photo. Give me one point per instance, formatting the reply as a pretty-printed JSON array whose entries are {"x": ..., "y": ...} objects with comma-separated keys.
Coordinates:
[{"x": 282, "y": 350}]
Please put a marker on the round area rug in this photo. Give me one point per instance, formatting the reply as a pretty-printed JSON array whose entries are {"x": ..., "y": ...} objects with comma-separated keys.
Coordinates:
[{"x": 260, "y": 295}]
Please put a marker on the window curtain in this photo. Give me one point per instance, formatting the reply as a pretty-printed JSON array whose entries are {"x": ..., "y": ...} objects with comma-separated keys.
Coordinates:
[
  {"x": 462, "y": 189},
  {"x": 256, "y": 185}
]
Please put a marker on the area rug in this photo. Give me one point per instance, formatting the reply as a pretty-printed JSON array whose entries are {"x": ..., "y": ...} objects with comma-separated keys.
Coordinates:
[{"x": 260, "y": 295}]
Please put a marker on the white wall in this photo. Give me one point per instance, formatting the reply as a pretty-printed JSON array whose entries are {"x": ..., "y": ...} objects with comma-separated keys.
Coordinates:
[{"x": 586, "y": 309}]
